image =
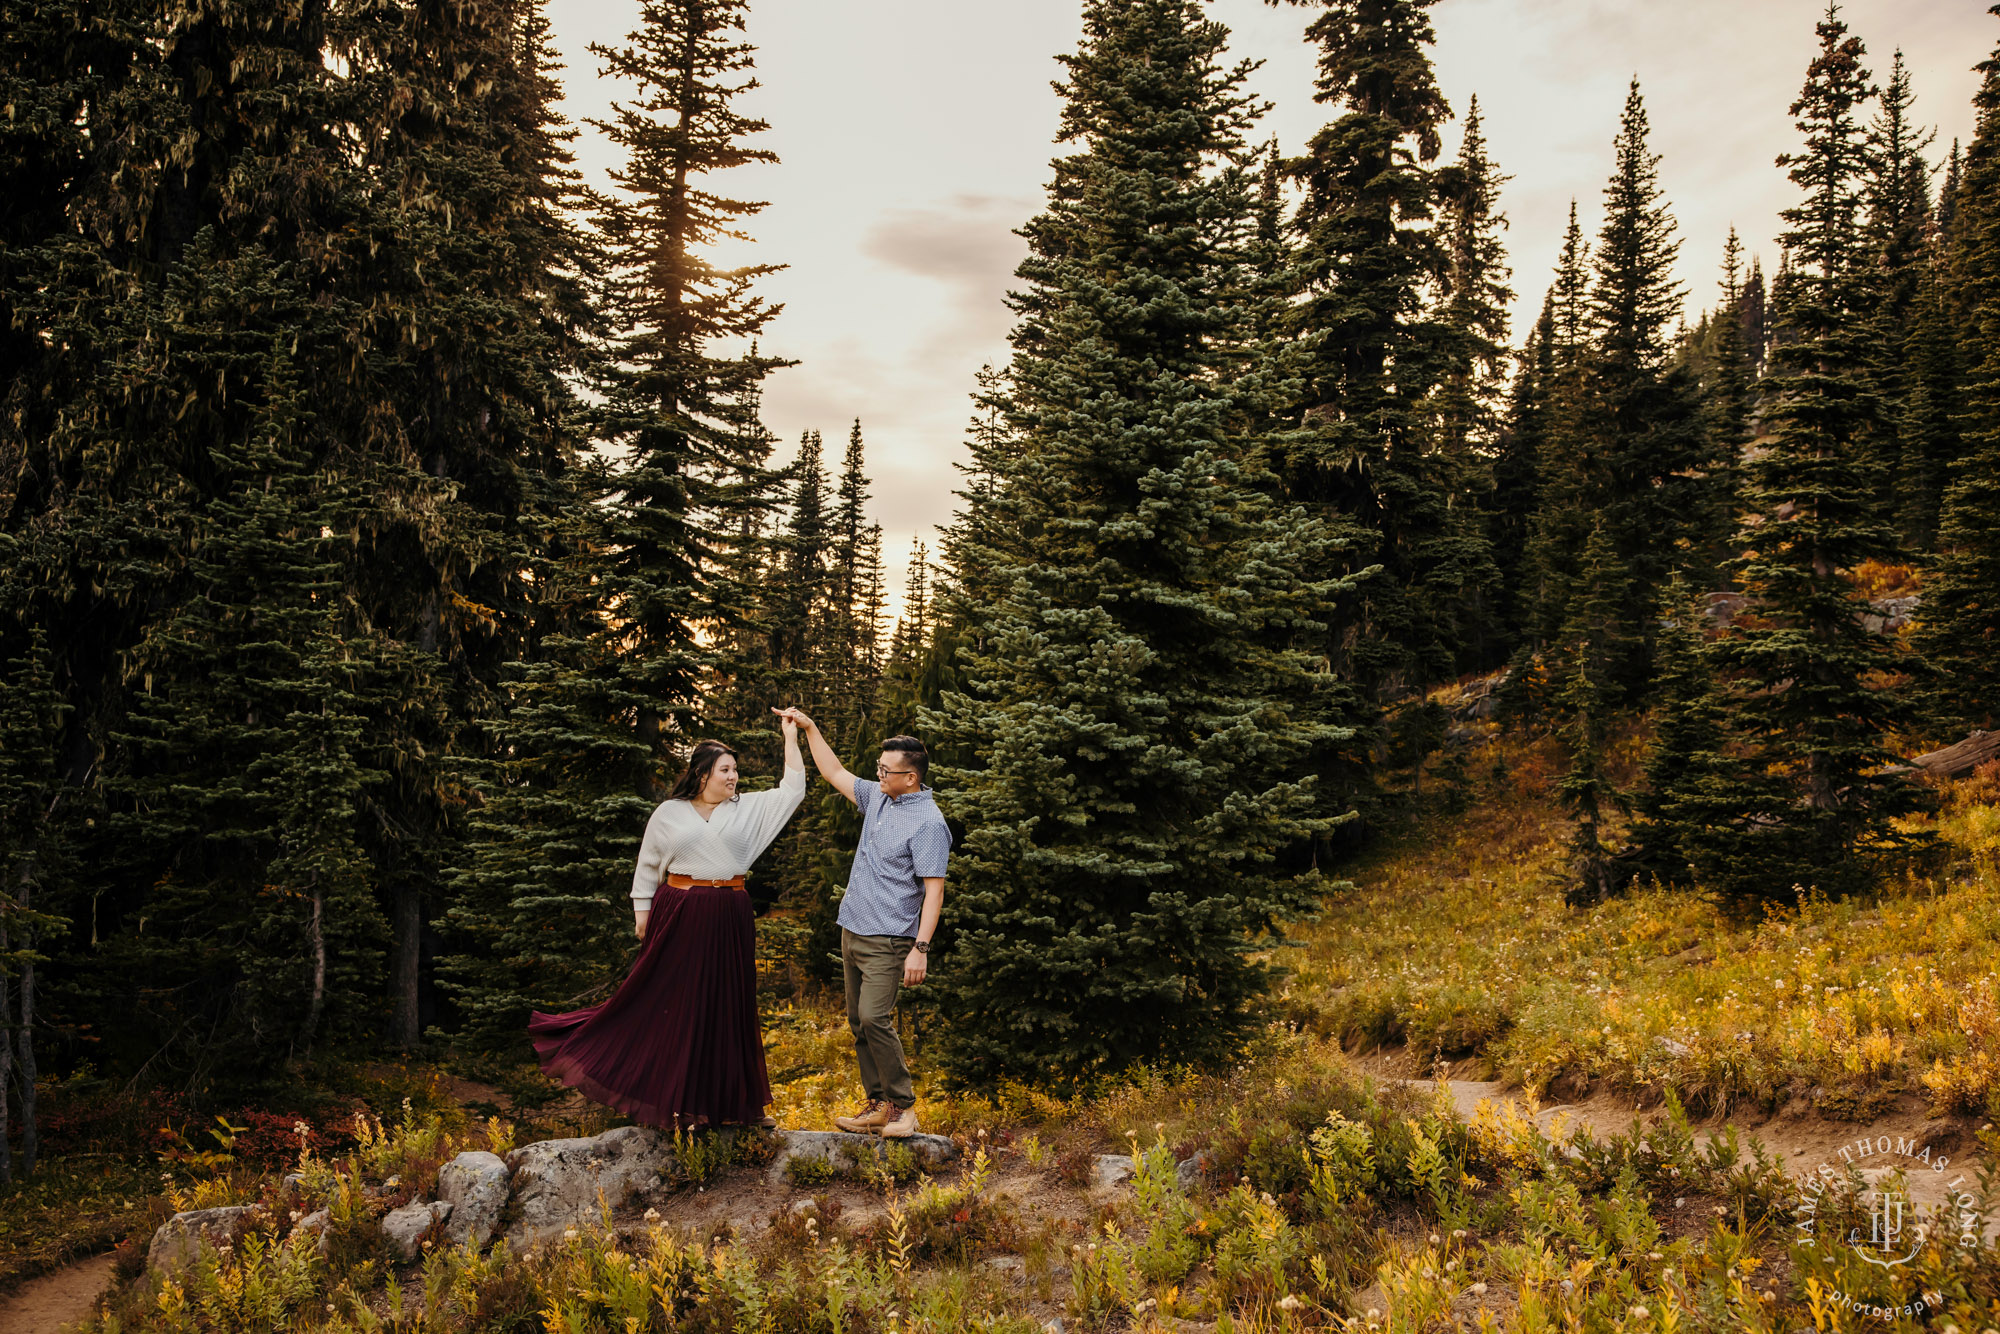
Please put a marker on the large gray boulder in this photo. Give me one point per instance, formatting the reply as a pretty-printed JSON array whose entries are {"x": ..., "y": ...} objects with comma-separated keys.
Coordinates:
[
  {"x": 405, "y": 1227},
  {"x": 845, "y": 1151},
  {"x": 556, "y": 1183},
  {"x": 178, "y": 1241},
  {"x": 475, "y": 1186}
]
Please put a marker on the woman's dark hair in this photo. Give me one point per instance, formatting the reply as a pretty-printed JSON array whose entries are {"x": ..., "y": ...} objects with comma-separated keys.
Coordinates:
[
  {"x": 700, "y": 765},
  {"x": 920, "y": 759}
]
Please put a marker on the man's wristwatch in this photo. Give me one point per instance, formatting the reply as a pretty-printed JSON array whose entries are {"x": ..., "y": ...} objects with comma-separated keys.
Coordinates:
[{"x": 921, "y": 946}]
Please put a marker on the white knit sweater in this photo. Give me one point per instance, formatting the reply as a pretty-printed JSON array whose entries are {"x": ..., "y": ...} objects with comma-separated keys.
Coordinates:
[{"x": 679, "y": 842}]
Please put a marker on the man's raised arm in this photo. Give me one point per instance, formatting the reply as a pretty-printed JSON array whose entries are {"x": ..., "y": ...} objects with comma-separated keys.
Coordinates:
[{"x": 828, "y": 764}]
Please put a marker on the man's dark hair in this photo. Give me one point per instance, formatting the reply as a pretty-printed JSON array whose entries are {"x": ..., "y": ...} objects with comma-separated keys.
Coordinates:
[{"x": 920, "y": 759}]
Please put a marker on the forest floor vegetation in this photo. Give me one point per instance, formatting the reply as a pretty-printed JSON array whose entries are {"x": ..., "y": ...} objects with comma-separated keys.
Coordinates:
[{"x": 1320, "y": 1196}]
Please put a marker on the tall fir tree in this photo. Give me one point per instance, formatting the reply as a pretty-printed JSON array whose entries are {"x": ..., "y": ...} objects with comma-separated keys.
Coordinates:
[
  {"x": 1592, "y": 653},
  {"x": 660, "y": 563},
  {"x": 244, "y": 763},
  {"x": 37, "y": 839},
  {"x": 1132, "y": 651},
  {"x": 1646, "y": 464},
  {"x": 1899, "y": 227},
  {"x": 1805, "y": 803},
  {"x": 1959, "y": 630},
  {"x": 1685, "y": 754},
  {"x": 1370, "y": 258}
]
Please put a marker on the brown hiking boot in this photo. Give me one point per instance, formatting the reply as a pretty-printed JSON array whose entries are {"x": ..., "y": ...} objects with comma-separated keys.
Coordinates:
[
  {"x": 901, "y": 1123},
  {"x": 870, "y": 1117}
]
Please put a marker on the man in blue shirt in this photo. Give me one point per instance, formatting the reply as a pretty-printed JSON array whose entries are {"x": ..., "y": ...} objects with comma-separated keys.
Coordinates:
[{"x": 888, "y": 915}]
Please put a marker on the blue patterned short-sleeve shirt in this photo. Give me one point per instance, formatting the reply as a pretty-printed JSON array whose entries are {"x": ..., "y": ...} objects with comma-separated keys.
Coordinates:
[{"x": 904, "y": 841}]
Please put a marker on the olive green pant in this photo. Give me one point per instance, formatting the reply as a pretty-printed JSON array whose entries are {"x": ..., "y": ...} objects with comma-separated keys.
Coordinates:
[{"x": 874, "y": 968}]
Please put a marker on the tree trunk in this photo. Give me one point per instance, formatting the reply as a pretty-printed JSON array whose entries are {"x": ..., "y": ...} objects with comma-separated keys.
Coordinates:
[
  {"x": 409, "y": 926},
  {"x": 316, "y": 939},
  {"x": 6, "y": 1059},
  {"x": 24, "y": 1069}
]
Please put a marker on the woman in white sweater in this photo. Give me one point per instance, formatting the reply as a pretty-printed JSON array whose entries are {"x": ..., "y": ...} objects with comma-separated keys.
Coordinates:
[{"x": 679, "y": 1044}]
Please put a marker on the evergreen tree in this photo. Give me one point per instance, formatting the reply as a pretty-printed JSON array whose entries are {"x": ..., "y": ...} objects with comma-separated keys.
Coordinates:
[
  {"x": 1475, "y": 307},
  {"x": 1805, "y": 803},
  {"x": 678, "y": 407},
  {"x": 1593, "y": 652},
  {"x": 655, "y": 591},
  {"x": 36, "y": 833},
  {"x": 1369, "y": 259},
  {"x": 261, "y": 929},
  {"x": 1959, "y": 632},
  {"x": 1899, "y": 224},
  {"x": 1647, "y": 466},
  {"x": 1516, "y": 486},
  {"x": 1928, "y": 428},
  {"x": 1727, "y": 382},
  {"x": 1559, "y": 521},
  {"x": 1131, "y": 657},
  {"x": 1685, "y": 754},
  {"x": 1947, "y": 200},
  {"x": 1753, "y": 322}
]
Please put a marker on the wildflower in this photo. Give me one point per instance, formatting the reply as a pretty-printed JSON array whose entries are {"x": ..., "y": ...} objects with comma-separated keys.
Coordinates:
[
  {"x": 1458, "y": 1234},
  {"x": 1679, "y": 1202},
  {"x": 1289, "y": 1303},
  {"x": 1720, "y": 1211},
  {"x": 1450, "y": 1265},
  {"x": 652, "y": 1215},
  {"x": 1640, "y": 1313},
  {"x": 569, "y": 1234},
  {"x": 1732, "y": 1271},
  {"x": 1141, "y": 1308},
  {"x": 1373, "y": 1315},
  {"x": 1654, "y": 1255},
  {"x": 1478, "y": 1289},
  {"x": 1435, "y": 1239}
]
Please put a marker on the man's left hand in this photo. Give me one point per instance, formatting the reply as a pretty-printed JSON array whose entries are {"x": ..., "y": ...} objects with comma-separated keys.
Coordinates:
[{"x": 914, "y": 968}]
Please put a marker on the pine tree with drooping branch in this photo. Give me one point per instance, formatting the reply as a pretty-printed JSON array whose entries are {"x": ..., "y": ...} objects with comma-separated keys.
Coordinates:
[{"x": 1133, "y": 660}]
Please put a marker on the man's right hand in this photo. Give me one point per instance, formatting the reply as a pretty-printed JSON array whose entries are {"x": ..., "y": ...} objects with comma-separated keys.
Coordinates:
[{"x": 797, "y": 717}]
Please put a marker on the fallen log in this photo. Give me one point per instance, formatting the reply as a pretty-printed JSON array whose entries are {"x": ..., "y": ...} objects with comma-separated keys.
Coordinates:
[{"x": 1955, "y": 761}]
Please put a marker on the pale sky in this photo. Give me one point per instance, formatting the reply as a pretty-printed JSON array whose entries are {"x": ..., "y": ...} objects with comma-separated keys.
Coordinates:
[{"x": 915, "y": 135}]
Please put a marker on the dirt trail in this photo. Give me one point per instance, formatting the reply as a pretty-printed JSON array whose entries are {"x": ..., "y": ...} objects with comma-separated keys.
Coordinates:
[
  {"x": 1803, "y": 1145},
  {"x": 47, "y": 1304}
]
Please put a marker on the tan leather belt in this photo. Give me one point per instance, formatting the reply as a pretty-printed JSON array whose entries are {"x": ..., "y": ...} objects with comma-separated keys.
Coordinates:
[{"x": 693, "y": 882}]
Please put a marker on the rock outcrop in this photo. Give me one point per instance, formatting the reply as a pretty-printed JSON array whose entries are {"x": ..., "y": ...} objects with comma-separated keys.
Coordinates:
[
  {"x": 406, "y": 1227},
  {"x": 843, "y": 1150},
  {"x": 557, "y": 1182},
  {"x": 475, "y": 1185},
  {"x": 178, "y": 1241}
]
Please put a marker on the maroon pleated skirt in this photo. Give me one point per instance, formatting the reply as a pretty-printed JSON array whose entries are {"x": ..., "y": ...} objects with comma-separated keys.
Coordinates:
[{"x": 679, "y": 1043}]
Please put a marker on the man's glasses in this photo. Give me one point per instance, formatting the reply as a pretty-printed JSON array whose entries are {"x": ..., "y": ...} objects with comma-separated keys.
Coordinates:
[{"x": 883, "y": 772}]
